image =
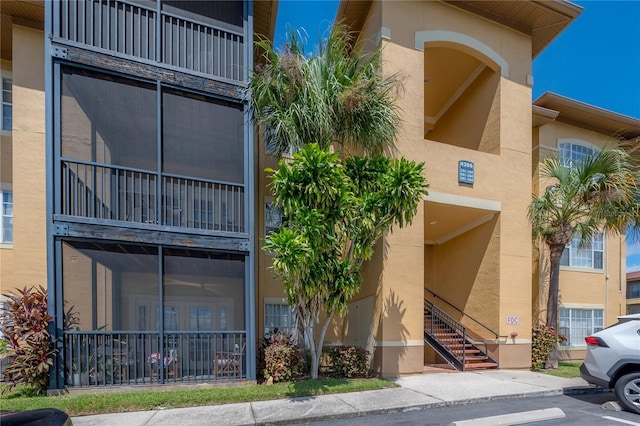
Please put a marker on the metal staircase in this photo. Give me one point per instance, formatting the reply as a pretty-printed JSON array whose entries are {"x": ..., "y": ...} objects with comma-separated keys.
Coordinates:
[{"x": 450, "y": 340}]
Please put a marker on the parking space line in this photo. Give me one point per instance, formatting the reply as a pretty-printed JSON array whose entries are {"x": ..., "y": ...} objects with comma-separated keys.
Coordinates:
[{"x": 626, "y": 422}]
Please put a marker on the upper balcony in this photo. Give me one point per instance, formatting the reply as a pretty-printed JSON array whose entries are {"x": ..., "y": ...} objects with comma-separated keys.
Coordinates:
[{"x": 203, "y": 38}]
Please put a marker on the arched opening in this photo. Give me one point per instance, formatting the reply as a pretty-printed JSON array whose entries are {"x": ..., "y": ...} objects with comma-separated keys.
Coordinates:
[{"x": 461, "y": 90}]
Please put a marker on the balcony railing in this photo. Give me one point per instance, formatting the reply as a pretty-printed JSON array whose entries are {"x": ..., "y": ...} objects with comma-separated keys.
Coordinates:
[
  {"x": 106, "y": 192},
  {"x": 119, "y": 358},
  {"x": 132, "y": 29}
]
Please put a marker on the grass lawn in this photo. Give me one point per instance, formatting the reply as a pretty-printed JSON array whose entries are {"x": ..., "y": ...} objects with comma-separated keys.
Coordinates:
[
  {"x": 139, "y": 400},
  {"x": 565, "y": 369}
]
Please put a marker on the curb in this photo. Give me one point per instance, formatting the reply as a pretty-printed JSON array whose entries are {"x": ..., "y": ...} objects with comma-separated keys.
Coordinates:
[{"x": 461, "y": 402}]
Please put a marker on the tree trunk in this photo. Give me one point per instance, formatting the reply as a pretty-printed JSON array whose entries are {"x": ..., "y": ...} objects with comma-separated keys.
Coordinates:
[
  {"x": 316, "y": 352},
  {"x": 552, "y": 300}
]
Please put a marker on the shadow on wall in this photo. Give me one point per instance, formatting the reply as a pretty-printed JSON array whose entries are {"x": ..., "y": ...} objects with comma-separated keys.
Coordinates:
[
  {"x": 391, "y": 328},
  {"x": 541, "y": 290},
  {"x": 465, "y": 272}
]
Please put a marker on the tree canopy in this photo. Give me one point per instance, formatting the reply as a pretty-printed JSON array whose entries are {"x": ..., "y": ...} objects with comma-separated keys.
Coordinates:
[
  {"x": 335, "y": 211},
  {"x": 599, "y": 194},
  {"x": 336, "y": 96}
]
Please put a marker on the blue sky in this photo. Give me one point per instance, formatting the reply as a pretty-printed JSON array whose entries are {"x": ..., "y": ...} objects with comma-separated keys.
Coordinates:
[{"x": 595, "y": 60}]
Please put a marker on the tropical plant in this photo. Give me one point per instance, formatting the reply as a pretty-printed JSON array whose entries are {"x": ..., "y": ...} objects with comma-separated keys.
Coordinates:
[
  {"x": 349, "y": 361},
  {"x": 25, "y": 323},
  {"x": 336, "y": 211},
  {"x": 543, "y": 341},
  {"x": 283, "y": 359},
  {"x": 599, "y": 194},
  {"x": 336, "y": 96}
]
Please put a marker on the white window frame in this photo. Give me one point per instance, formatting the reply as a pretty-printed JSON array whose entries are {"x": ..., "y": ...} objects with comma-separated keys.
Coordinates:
[
  {"x": 5, "y": 76},
  {"x": 271, "y": 319},
  {"x": 570, "y": 145},
  {"x": 270, "y": 326},
  {"x": 573, "y": 253},
  {"x": 570, "y": 323},
  {"x": 4, "y": 217}
]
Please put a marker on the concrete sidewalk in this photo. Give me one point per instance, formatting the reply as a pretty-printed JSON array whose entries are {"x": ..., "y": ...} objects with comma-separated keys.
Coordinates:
[{"x": 415, "y": 392}]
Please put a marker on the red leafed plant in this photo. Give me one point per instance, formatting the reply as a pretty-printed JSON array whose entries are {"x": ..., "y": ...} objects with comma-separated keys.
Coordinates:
[{"x": 24, "y": 326}]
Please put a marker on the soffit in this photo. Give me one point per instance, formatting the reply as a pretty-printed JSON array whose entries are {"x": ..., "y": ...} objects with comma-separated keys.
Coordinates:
[
  {"x": 16, "y": 11},
  {"x": 264, "y": 17},
  {"x": 443, "y": 222},
  {"x": 542, "y": 20},
  {"x": 353, "y": 13},
  {"x": 590, "y": 117}
]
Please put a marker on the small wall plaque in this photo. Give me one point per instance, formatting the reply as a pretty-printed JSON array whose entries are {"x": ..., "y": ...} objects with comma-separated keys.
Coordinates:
[{"x": 466, "y": 172}]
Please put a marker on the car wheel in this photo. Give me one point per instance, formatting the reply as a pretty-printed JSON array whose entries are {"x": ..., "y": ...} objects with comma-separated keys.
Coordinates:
[{"x": 628, "y": 392}]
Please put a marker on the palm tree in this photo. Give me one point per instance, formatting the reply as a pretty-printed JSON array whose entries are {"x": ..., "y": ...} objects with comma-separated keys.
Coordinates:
[
  {"x": 599, "y": 194},
  {"x": 336, "y": 96}
]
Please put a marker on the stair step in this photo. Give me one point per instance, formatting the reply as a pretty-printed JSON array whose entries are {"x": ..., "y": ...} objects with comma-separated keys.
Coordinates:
[
  {"x": 468, "y": 351},
  {"x": 476, "y": 358},
  {"x": 480, "y": 365}
]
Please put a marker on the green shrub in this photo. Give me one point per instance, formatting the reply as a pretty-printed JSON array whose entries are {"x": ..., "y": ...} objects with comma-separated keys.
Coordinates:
[
  {"x": 283, "y": 360},
  {"x": 544, "y": 340},
  {"x": 349, "y": 361},
  {"x": 25, "y": 329}
]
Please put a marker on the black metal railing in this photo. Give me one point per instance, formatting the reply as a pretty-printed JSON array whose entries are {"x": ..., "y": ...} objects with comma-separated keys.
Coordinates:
[
  {"x": 494, "y": 333},
  {"x": 140, "y": 30},
  {"x": 118, "y": 358},
  {"x": 106, "y": 192},
  {"x": 447, "y": 332}
]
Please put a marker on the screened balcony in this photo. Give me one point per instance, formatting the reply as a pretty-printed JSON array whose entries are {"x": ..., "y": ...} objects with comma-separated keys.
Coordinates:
[
  {"x": 205, "y": 37},
  {"x": 138, "y": 153},
  {"x": 143, "y": 314}
]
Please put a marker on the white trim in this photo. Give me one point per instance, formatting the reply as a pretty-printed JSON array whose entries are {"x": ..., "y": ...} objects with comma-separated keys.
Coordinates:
[
  {"x": 422, "y": 37},
  {"x": 548, "y": 147},
  {"x": 275, "y": 301},
  {"x": 581, "y": 306},
  {"x": 456, "y": 96},
  {"x": 398, "y": 343},
  {"x": 468, "y": 227},
  {"x": 581, "y": 142},
  {"x": 462, "y": 201}
]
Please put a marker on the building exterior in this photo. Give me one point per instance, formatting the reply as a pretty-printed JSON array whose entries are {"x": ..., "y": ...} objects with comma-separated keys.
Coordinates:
[
  {"x": 132, "y": 186},
  {"x": 633, "y": 292},
  {"x": 129, "y": 151},
  {"x": 592, "y": 277}
]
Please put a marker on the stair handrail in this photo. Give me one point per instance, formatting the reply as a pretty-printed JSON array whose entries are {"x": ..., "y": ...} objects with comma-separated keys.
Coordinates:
[
  {"x": 497, "y": 335},
  {"x": 452, "y": 324}
]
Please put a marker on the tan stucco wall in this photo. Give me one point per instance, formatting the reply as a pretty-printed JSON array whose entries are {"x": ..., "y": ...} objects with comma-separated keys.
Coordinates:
[
  {"x": 29, "y": 158},
  {"x": 579, "y": 288},
  {"x": 501, "y": 249},
  {"x": 500, "y": 284}
]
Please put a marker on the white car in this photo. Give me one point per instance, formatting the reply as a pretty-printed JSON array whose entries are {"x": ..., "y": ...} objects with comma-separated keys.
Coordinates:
[{"x": 613, "y": 360}]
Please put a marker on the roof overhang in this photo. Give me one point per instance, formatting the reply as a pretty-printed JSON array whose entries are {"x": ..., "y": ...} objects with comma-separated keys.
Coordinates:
[
  {"x": 542, "y": 20},
  {"x": 586, "y": 116},
  {"x": 28, "y": 13},
  {"x": 264, "y": 18}
]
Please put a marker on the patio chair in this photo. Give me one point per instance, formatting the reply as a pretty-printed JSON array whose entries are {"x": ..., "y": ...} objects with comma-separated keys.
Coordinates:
[
  {"x": 156, "y": 360},
  {"x": 229, "y": 363}
]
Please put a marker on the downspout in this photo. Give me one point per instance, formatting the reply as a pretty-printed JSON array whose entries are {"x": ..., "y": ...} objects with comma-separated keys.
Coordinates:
[{"x": 606, "y": 281}]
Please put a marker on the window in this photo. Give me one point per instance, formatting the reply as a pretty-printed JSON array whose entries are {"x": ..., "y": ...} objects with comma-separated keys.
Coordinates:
[
  {"x": 272, "y": 216},
  {"x": 278, "y": 316},
  {"x": 572, "y": 154},
  {"x": 6, "y": 113},
  {"x": 6, "y": 217},
  {"x": 590, "y": 255},
  {"x": 576, "y": 324},
  {"x": 633, "y": 291}
]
